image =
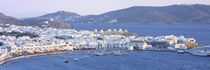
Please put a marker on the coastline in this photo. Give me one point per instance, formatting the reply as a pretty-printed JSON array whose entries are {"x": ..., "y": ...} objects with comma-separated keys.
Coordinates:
[
  {"x": 27, "y": 56},
  {"x": 61, "y": 52},
  {"x": 160, "y": 50},
  {"x": 52, "y": 53}
]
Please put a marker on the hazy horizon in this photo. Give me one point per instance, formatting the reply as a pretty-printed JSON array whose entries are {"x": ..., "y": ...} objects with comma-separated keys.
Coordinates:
[{"x": 29, "y": 8}]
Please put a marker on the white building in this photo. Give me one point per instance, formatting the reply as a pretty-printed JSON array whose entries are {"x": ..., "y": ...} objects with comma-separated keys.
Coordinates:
[{"x": 138, "y": 44}]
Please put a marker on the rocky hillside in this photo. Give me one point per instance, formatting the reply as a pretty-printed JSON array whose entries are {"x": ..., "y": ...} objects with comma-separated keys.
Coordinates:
[
  {"x": 33, "y": 22},
  {"x": 47, "y": 23},
  {"x": 9, "y": 20},
  {"x": 174, "y": 14},
  {"x": 61, "y": 16}
]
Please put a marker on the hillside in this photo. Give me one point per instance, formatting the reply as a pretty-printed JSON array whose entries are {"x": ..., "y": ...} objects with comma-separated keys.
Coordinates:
[
  {"x": 61, "y": 15},
  {"x": 174, "y": 14},
  {"x": 33, "y": 22},
  {"x": 9, "y": 20}
]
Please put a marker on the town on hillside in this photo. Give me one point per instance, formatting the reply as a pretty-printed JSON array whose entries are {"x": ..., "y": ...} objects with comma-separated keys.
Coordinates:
[{"x": 27, "y": 40}]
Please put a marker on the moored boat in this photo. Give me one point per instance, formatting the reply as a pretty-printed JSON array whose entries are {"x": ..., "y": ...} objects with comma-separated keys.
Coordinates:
[
  {"x": 200, "y": 51},
  {"x": 76, "y": 59},
  {"x": 66, "y": 61},
  {"x": 99, "y": 54},
  {"x": 87, "y": 56},
  {"x": 180, "y": 51}
]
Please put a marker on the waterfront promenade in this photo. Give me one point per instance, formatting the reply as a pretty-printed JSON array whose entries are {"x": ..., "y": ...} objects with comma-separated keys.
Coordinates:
[{"x": 27, "y": 56}]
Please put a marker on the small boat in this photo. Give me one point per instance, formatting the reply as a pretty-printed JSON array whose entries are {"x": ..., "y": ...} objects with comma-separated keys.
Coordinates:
[
  {"x": 99, "y": 54},
  {"x": 200, "y": 51},
  {"x": 87, "y": 56},
  {"x": 117, "y": 54},
  {"x": 124, "y": 53},
  {"x": 76, "y": 59},
  {"x": 66, "y": 61},
  {"x": 180, "y": 51},
  {"x": 199, "y": 54},
  {"x": 70, "y": 57},
  {"x": 108, "y": 53}
]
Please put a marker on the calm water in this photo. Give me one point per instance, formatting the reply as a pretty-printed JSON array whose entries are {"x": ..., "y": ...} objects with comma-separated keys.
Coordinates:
[{"x": 141, "y": 60}]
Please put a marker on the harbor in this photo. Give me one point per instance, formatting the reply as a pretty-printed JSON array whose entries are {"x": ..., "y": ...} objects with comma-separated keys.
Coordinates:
[{"x": 135, "y": 60}]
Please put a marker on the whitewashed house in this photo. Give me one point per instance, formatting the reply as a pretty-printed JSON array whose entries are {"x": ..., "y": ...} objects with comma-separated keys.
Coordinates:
[
  {"x": 3, "y": 50},
  {"x": 138, "y": 44},
  {"x": 180, "y": 46}
]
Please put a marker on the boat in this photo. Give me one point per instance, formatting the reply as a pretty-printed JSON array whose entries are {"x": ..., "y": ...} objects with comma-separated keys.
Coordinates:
[
  {"x": 76, "y": 59},
  {"x": 99, "y": 54},
  {"x": 70, "y": 57},
  {"x": 180, "y": 51},
  {"x": 87, "y": 56},
  {"x": 124, "y": 53},
  {"x": 200, "y": 51},
  {"x": 66, "y": 61},
  {"x": 117, "y": 54}
]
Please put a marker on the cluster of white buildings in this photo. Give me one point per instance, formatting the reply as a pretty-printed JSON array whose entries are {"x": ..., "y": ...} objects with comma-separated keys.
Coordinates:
[
  {"x": 171, "y": 41},
  {"x": 51, "y": 39}
]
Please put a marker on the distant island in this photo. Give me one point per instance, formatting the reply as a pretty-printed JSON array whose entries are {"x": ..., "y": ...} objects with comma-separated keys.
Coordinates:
[{"x": 173, "y": 14}]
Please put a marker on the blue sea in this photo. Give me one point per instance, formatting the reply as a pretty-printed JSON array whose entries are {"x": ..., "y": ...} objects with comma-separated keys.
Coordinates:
[{"x": 137, "y": 60}]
